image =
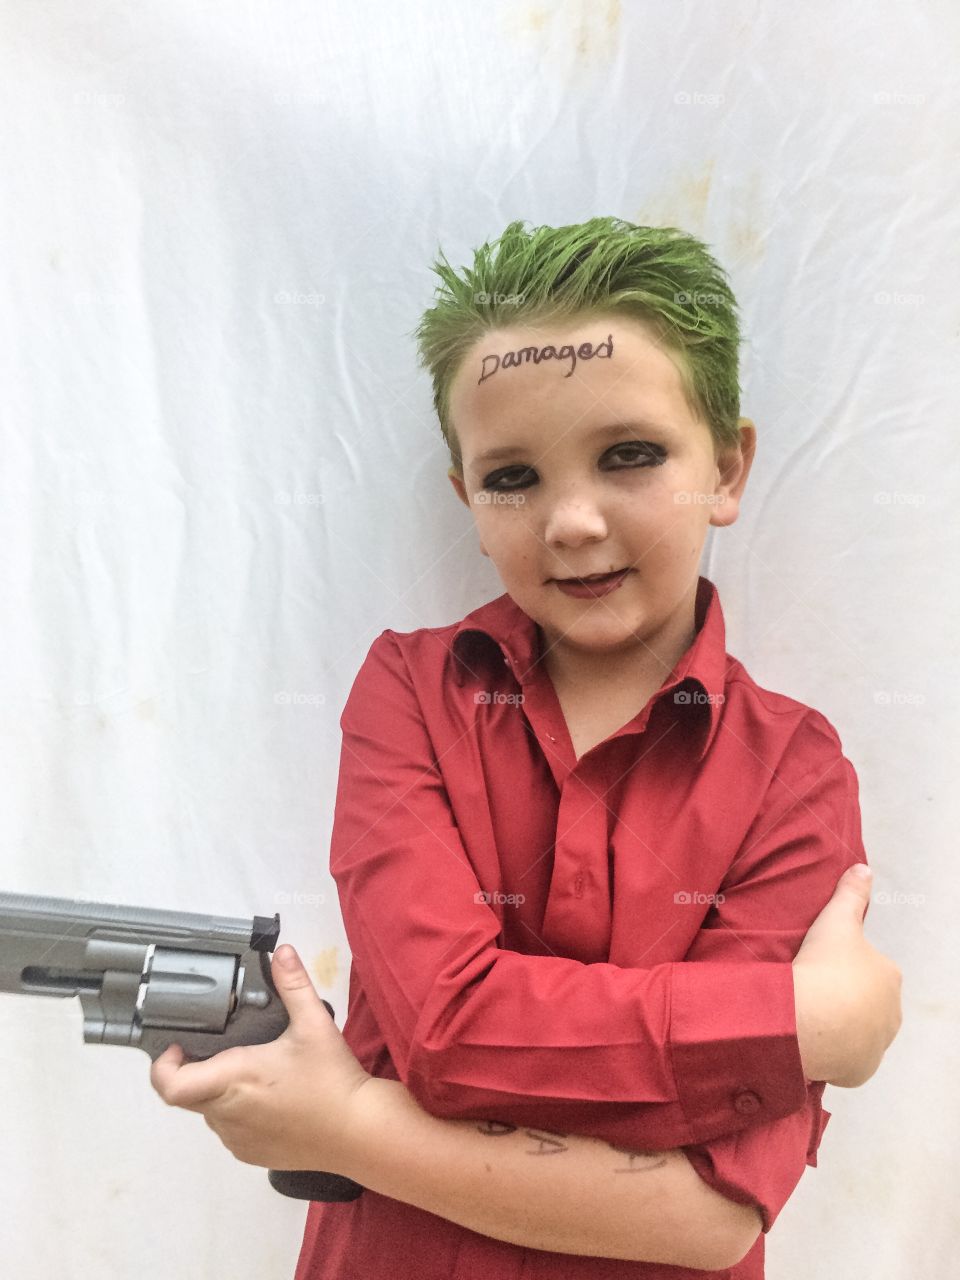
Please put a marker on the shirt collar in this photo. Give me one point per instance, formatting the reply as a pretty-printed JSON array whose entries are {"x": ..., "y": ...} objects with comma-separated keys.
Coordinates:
[{"x": 515, "y": 633}]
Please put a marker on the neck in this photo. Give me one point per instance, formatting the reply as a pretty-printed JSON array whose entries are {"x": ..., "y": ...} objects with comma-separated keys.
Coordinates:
[{"x": 647, "y": 661}]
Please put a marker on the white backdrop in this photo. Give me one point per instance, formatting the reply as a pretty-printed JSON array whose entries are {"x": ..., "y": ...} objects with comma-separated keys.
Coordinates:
[{"x": 222, "y": 477}]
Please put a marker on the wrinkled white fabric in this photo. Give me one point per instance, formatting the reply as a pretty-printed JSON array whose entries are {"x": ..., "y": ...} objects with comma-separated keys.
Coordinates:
[{"x": 222, "y": 476}]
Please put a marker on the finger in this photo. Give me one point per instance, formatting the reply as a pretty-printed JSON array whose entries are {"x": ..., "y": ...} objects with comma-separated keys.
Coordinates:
[
  {"x": 854, "y": 885},
  {"x": 192, "y": 1084},
  {"x": 296, "y": 990},
  {"x": 164, "y": 1069},
  {"x": 852, "y": 893}
]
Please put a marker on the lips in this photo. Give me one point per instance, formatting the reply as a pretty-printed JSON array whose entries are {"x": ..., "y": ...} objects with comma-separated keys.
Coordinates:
[
  {"x": 601, "y": 584},
  {"x": 594, "y": 577}
]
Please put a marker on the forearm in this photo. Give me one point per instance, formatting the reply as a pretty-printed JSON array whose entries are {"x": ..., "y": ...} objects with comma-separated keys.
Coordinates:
[
  {"x": 564, "y": 1194},
  {"x": 726, "y": 1028}
]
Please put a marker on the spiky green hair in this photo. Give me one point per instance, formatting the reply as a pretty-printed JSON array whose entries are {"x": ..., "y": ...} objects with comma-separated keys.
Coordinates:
[{"x": 659, "y": 275}]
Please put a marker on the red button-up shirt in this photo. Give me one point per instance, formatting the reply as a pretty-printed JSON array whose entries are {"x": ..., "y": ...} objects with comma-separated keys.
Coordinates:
[{"x": 598, "y": 946}]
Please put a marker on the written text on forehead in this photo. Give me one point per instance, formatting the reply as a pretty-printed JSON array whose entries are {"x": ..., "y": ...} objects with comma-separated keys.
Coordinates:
[{"x": 496, "y": 361}]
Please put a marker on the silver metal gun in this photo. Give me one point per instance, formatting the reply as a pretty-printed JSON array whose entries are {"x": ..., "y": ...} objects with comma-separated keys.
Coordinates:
[{"x": 149, "y": 979}]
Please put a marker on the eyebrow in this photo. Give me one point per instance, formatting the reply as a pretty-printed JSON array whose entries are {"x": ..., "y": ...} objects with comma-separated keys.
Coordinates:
[{"x": 608, "y": 429}]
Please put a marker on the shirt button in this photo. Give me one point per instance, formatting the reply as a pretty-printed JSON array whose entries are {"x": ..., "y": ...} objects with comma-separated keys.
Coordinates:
[{"x": 746, "y": 1102}]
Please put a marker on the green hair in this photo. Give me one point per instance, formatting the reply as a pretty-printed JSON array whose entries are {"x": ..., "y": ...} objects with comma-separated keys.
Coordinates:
[{"x": 659, "y": 275}]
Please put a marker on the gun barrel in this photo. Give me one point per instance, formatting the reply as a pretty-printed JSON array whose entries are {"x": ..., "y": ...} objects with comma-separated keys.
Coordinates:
[
  {"x": 54, "y": 936},
  {"x": 36, "y": 914}
]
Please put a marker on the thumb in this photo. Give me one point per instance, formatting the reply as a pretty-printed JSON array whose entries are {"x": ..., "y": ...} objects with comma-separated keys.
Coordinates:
[
  {"x": 293, "y": 983},
  {"x": 853, "y": 889},
  {"x": 841, "y": 917}
]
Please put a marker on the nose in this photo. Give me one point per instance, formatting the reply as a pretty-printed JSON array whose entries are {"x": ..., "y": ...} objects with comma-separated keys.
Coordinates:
[{"x": 573, "y": 520}]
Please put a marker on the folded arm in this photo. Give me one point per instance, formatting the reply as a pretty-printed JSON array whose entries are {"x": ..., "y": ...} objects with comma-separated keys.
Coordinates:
[
  {"x": 657, "y": 1057},
  {"x": 545, "y": 1190},
  {"x": 713, "y": 1065},
  {"x": 806, "y": 834},
  {"x": 700, "y": 1207}
]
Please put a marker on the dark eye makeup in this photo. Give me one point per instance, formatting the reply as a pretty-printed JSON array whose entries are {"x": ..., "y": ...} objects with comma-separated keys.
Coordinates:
[{"x": 640, "y": 453}]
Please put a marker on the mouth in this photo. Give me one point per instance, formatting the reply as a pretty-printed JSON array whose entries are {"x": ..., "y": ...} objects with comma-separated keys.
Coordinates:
[
  {"x": 595, "y": 577},
  {"x": 598, "y": 584}
]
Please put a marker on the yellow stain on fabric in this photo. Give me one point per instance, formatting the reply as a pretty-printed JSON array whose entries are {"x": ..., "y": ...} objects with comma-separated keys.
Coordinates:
[
  {"x": 591, "y": 32},
  {"x": 681, "y": 203},
  {"x": 325, "y": 967},
  {"x": 735, "y": 235},
  {"x": 751, "y": 210}
]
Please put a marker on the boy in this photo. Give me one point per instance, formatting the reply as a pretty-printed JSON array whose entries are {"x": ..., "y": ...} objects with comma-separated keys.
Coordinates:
[
  {"x": 577, "y": 848},
  {"x": 577, "y": 777}
]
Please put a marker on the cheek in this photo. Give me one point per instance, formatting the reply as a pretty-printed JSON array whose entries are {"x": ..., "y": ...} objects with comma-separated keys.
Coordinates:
[
  {"x": 648, "y": 510},
  {"x": 503, "y": 527},
  {"x": 657, "y": 525},
  {"x": 509, "y": 545},
  {"x": 676, "y": 504}
]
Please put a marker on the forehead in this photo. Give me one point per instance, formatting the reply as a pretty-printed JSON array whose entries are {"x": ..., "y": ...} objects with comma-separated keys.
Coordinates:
[{"x": 573, "y": 371}]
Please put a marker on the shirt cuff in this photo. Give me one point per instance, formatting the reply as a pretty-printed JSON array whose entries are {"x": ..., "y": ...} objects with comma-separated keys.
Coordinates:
[
  {"x": 733, "y": 1043},
  {"x": 762, "y": 1166}
]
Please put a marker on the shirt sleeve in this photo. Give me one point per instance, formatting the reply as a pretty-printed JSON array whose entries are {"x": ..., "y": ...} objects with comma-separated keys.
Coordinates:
[
  {"x": 477, "y": 1031},
  {"x": 806, "y": 836}
]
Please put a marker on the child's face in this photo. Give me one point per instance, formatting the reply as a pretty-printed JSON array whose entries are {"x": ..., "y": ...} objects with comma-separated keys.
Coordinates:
[{"x": 575, "y": 494}]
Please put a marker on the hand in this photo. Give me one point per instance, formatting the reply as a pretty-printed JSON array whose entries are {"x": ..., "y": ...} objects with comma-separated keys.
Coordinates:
[
  {"x": 283, "y": 1105},
  {"x": 847, "y": 993}
]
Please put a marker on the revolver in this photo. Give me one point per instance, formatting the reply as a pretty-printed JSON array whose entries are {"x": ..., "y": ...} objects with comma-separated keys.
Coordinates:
[{"x": 150, "y": 978}]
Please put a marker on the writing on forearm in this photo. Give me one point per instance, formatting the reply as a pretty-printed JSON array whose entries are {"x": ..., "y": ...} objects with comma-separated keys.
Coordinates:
[
  {"x": 551, "y": 1144},
  {"x": 639, "y": 1161},
  {"x": 454, "y": 1169}
]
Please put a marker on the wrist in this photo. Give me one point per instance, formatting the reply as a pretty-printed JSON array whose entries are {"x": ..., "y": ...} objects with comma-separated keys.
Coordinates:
[
  {"x": 811, "y": 1032},
  {"x": 372, "y": 1105}
]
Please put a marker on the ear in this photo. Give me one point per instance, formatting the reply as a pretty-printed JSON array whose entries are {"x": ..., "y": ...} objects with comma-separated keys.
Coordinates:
[
  {"x": 461, "y": 492},
  {"x": 459, "y": 486},
  {"x": 733, "y": 467}
]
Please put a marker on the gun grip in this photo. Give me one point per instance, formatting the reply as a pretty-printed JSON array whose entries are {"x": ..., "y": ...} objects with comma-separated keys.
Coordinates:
[
  {"x": 305, "y": 1184},
  {"x": 308, "y": 1184}
]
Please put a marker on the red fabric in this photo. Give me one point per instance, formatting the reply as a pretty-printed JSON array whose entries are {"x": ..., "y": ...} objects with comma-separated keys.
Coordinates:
[{"x": 599, "y": 946}]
